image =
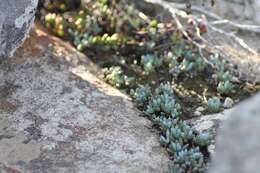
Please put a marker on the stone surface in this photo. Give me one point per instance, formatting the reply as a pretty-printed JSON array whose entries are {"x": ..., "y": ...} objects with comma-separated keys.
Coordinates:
[
  {"x": 228, "y": 103},
  {"x": 211, "y": 123},
  {"x": 57, "y": 117},
  {"x": 243, "y": 9},
  {"x": 238, "y": 142},
  {"x": 16, "y": 17}
]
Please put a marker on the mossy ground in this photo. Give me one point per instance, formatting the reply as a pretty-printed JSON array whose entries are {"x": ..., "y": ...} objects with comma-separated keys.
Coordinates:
[{"x": 135, "y": 50}]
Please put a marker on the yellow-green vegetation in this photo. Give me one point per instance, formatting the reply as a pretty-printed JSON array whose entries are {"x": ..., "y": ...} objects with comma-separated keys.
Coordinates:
[{"x": 153, "y": 62}]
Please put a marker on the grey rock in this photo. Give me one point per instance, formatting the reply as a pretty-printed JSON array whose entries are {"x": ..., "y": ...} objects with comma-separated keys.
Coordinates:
[
  {"x": 211, "y": 124},
  {"x": 16, "y": 18},
  {"x": 56, "y": 116},
  {"x": 200, "y": 109},
  {"x": 228, "y": 103},
  {"x": 238, "y": 142},
  {"x": 197, "y": 113}
]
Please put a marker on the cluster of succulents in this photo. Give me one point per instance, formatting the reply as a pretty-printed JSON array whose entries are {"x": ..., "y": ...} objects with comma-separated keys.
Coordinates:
[
  {"x": 182, "y": 141},
  {"x": 150, "y": 62},
  {"x": 225, "y": 87},
  {"x": 141, "y": 95},
  {"x": 163, "y": 103},
  {"x": 180, "y": 61},
  {"x": 56, "y": 23},
  {"x": 104, "y": 42},
  {"x": 98, "y": 23},
  {"x": 59, "y": 5},
  {"x": 115, "y": 76},
  {"x": 214, "y": 104}
]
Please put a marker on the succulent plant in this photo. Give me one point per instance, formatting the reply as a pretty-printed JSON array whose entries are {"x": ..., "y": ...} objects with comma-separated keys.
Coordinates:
[
  {"x": 214, "y": 104},
  {"x": 223, "y": 75},
  {"x": 203, "y": 139},
  {"x": 179, "y": 137},
  {"x": 189, "y": 160},
  {"x": 163, "y": 102},
  {"x": 180, "y": 61},
  {"x": 96, "y": 24},
  {"x": 225, "y": 87},
  {"x": 141, "y": 95},
  {"x": 150, "y": 62},
  {"x": 114, "y": 75},
  {"x": 56, "y": 23}
]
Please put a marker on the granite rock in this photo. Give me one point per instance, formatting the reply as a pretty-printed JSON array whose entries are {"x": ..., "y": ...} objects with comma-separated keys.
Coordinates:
[
  {"x": 16, "y": 18},
  {"x": 56, "y": 116}
]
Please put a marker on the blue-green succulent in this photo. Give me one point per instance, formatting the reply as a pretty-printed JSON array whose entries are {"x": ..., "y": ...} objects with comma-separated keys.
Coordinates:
[
  {"x": 214, "y": 104},
  {"x": 115, "y": 76},
  {"x": 225, "y": 87},
  {"x": 181, "y": 140},
  {"x": 150, "y": 62}
]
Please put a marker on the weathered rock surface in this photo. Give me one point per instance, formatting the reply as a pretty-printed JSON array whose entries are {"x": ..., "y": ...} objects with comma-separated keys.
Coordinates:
[
  {"x": 16, "y": 18},
  {"x": 211, "y": 124},
  {"x": 236, "y": 9},
  {"x": 57, "y": 117},
  {"x": 238, "y": 142}
]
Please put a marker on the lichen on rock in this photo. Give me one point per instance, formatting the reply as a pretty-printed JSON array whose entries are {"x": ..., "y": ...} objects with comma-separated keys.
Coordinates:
[{"x": 16, "y": 18}]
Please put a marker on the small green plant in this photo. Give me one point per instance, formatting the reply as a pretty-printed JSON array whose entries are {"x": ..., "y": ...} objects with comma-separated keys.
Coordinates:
[
  {"x": 183, "y": 62},
  {"x": 141, "y": 95},
  {"x": 225, "y": 87},
  {"x": 104, "y": 42},
  {"x": 163, "y": 103},
  {"x": 214, "y": 104},
  {"x": 150, "y": 62},
  {"x": 115, "y": 76},
  {"x": 203, "y": 139},
  {"x": 189, "y": 160},
  {"x": 224, "y": 75}
]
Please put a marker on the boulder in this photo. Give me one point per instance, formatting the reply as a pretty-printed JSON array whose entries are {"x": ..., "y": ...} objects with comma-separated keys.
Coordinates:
[
  {"x": 238, "y": 142},
  {"x": 16, "y": 18},
  {"x": 56, "y": 116}
]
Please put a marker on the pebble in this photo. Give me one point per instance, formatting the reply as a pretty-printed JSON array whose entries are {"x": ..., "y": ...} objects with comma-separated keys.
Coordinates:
[
  {"x": 200, "y": 109},
  {"x": 228, "y": 103}
]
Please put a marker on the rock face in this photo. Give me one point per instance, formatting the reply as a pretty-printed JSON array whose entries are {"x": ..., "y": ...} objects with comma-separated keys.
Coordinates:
[
  {"x": 16, "y": 18},
  {"x": 57, "y": 117},
  {"x": 238, "y": 143},
  {"x": 242, "y": 9},
  {"x": 245, "y": 9},
  {"x": 211, "y": 124}
]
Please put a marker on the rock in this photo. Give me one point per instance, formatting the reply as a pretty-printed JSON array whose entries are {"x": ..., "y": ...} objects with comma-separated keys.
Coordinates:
[
  {"x": 228, "y": 103},
  {"x": 16, "y": 18},
  {"x": 238, "y": 143},
  {"x": 197, "y": 113},
  {"x": 63, "y": 119},
  {"x": 210, "y": 123},
  {"x": 200, "y": 109}
]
